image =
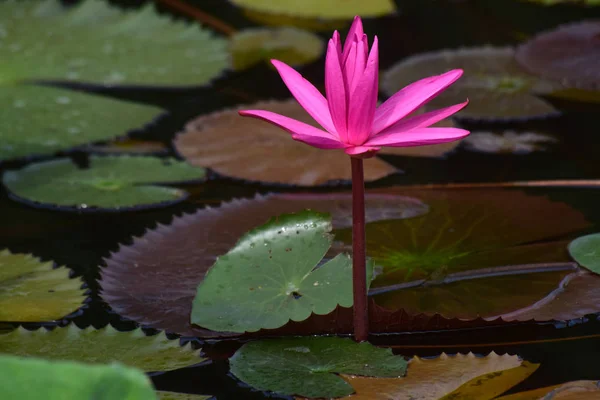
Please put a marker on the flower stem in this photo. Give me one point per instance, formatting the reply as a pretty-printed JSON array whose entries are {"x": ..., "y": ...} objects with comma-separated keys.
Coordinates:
[{"x": 359, "y": 256}]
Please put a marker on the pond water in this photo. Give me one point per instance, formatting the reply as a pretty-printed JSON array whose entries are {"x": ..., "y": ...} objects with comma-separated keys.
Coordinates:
[{"x": 562, "y": 167}]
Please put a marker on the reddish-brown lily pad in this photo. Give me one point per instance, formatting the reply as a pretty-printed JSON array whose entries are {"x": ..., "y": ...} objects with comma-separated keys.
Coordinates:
[
  {"x": 569, "y": 54},
  {"x": 154, "y": 280},
  {"x": 254, "y": 150}
]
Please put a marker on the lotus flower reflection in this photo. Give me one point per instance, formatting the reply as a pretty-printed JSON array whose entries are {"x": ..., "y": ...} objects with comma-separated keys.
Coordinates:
[{"x": 349, "y": 115}]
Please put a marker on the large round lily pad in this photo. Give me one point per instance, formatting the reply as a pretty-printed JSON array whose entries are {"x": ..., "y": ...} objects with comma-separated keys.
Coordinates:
[
  {"x": 173, "y": 263},
  {"x": 38, "y": 120},
  {"x": 106, "y": 345},
  {"x": 110, "y": 182},
  {"x": 496, "y": 86},
  {"x": 96, "y": 42},
  {"x": 586, "y": 251},
  {"x": 569, "y": 54},
  {"x": 35, "y": 291}
]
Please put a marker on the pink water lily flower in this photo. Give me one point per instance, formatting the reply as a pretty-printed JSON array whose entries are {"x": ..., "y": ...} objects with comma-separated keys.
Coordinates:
[{"x": 349, "y": 115}]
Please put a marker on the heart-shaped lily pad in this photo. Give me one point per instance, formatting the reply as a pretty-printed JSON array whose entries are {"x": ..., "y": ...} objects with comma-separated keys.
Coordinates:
[
  {"x": 271, "y": 277},
  {"x": 38, "y": 120},
  {"x": 30, "y": 379},
  {"x": 462, "y": 376},
  {"x": 568, "y": 54},
  {"x": 35, "y": 291},
  {"x": 509, "y": 141},
  {"x": 106, "y": 345},
  {"x": 110, "y": 182},
  {"x": 290, "y": 45},
  {"x": 497, "y": 87},
  {"x": 586, "y": 251},
  {"x": 308, "y": 366},
  {"x": 256, "y": 151},
  {"x": 96, "y": 42},
  {"x": 173, "y": 264}
]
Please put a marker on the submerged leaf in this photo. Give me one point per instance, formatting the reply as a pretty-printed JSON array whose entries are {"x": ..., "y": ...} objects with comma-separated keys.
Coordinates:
[
  {"x": 508, "y": 142},
  {"x": 39, "y": 120},
  {"x": 153, "y": 281},
  {"x": 308, "y": 366},
  {"x": 110, "y": 182},
  {"x": 34, "y": 291},
  {"x": 271, "y": 277},
  {"x": 447, "y": 377},
  {"x": 493, "y": 82},
  {"x": 290, "y": 45},
  {"x": 97, "y": 42},
  {"x": 586, "y": 251},
  {"x": 568, "y": 54},
  {"x": 132, "y": 348},
  {"x": 577, "y": 390},
  {"x": 31, "y": 379},
  {"x": 253, "y": 150}
]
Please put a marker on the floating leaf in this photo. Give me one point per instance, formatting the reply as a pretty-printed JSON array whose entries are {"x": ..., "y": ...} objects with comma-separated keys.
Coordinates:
[
  {"x": 577, "y": 390},
  {"x": 110, "y": 182},
  {"x": 172, "y": 263},
  {"x": 508, "y": 142},
  {"x": 447, "y": 377},
  {"x": 133, "y": 348},
  {"x": 32, "y": 379},
  {"x": 180, "y": 396},
  {"x": 493, "y": 82},
  {"x": 468, "y": 256},
  {"x": 308, "y": 366},
  {"x": 35, "y": 291},
  {"x": 568, "y": 54},
  {"x": 39, "y": 120},
  {"x": 254, "y": 150},
  {"x": 270, "y": 277},
  {"x": 586, "y": 251},
  {"x": 97, "y": 42},
  {"x": 290, "y": 45}
]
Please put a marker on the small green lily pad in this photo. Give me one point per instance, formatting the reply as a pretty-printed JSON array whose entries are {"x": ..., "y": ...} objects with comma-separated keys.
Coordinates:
[
  {"x": 291, "y": 45},
  {"x": 269, "y": 277},
  {"x": 308, "y": 366},
  {"x": 35, "y": 291},
  {"x": 586, "y": 251},
  {"x": 96, "y": 42},
  {"x": 40, "y": 120},
  {"x": 110, "y": 182},
  {"x": 32, "y": 379},
  {"x": 106, "y": 345}
]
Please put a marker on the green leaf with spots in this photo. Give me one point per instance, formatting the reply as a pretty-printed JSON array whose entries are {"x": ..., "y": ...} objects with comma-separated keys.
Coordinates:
[
  {"x": 309, "y": 366},
  {"x": 39, "y": 120},
  {"x": 586, "y": 251},
  {"x": 271, "y": 277},
  {"x": 110, "y": 182},
  {"x": 97, "y": 42},
  {"x": 106, "y": 345},
  {"x": 32, "y": 379},
  {"x": 35, "y": 291}
]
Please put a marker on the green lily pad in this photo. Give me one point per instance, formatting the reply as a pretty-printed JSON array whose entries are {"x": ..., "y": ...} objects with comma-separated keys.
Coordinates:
[
  {"x": 110, "y": 182},
  {"x": 290, "y": 45},
  {"x": 269, "y": 277},
  {"x": 586, "y": 251},
  {"x": 497, "y": 87},
  {"x": 106, "y": 345},
  {"x": 32, "y": 379},
  {"x": 308, "y": 366},
  {"x": 100, "y": 43},
  {"x": 35, "y": 291},
  {"x": 38, "y": 120},
  {"x": 180, "y": 396}
]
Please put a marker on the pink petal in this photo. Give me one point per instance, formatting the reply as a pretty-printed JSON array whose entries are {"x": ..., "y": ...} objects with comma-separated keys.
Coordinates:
[
  {"x": 412, "y": 97},
  {"x": 356, "y": 30},
  {"x": 423, "y": 120},
  {"x": 363, "y": 100},
  {"x": 355, "y": 65},
  {"x": 335, "y": 88},
  {"x": 291, "y": 125},
  {"x": 418, "y": 137},
  {"x": 306, "y": 94},
  {"x": 338, "y": 43},
  {"x": 358, "y": 150},
  {"x": 319, "y": 142}
]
